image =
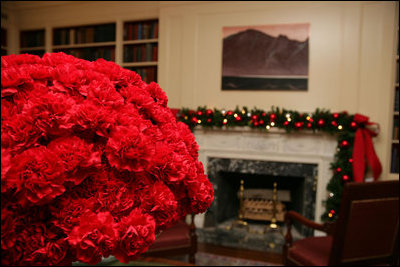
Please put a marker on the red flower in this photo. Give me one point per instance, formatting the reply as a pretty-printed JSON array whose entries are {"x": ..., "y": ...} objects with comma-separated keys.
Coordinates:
[
  {"x": 37, "y": 175},
  {"x": 200, "y": 193},
  {"x": 129, "y": 149},
  {"x": 93, "y": 162},
  {"x": 66, "y": 212},
  {"x": 78, "y": 158},
  {"x": 94, "y": 238},
  {"x": 53, "y": 253},
  {"x": 160, "y": 202},
  {"x": 136, "y": 234}
]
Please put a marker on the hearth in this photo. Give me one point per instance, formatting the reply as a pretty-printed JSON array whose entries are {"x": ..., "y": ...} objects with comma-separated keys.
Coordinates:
[{"x": 226, "y": 173}]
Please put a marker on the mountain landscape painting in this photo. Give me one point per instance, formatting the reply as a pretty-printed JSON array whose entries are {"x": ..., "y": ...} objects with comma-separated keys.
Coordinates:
[{"x": 266, "y": 57}]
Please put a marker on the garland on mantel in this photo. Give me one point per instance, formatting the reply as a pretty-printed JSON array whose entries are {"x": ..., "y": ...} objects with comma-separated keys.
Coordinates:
[{"x": 354, "y": 142}]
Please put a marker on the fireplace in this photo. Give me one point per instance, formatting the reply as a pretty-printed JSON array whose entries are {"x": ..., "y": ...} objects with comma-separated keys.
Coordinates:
[
  {"x": 225, "y": 174},
  {"x": 299, "y": 163}
]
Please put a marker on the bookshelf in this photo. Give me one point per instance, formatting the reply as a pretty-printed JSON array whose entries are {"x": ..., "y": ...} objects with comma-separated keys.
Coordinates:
[
  {"x": 3, "y": 41},
  {"x": 88, "y": 42},
  {"x": 136, "y": 47},
  {"x": 32, "y": 42},
  {"x": 140, "y": 48},
  {"x": 394, "y": 164}
]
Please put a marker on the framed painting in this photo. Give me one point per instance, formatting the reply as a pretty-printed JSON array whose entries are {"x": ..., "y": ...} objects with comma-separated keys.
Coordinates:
[{"x": 266, "y": 57}]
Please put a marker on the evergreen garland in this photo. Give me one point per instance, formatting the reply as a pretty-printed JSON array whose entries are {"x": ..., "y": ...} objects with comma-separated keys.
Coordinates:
[{"x": 340, "y": 124}]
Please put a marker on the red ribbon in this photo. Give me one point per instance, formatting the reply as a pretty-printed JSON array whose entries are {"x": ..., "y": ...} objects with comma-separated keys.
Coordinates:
[{"x": 364, "y": 149}]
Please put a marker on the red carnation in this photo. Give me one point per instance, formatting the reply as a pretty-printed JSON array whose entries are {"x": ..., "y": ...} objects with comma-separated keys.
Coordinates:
[
  {"x": 37, "y": 176},
  {"x": 93, "y": 162},
  {"x": 136, "y": 234},
  {"x": 94, "y": 238}
]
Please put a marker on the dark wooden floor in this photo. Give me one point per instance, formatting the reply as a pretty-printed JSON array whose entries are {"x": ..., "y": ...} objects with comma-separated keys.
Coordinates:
[{"x": 241, "y": 253}]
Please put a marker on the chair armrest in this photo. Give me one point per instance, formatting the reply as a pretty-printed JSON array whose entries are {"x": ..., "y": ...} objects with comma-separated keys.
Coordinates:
[{"x": 291, "y": 216}]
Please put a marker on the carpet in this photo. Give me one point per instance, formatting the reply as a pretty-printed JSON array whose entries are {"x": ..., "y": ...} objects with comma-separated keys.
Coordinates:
[
  {"x": 208, "y": 259},
  {"x": 202, "y": 259}
]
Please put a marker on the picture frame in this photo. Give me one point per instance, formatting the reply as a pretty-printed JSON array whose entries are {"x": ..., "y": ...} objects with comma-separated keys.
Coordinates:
[{"x": 266, "y": 57}]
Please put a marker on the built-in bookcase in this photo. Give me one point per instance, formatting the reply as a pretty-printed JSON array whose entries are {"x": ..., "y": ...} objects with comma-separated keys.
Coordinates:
[
  {"x": 3, "y": 41},
  {"x": 140, "y": 48},
  {"x": 32, "y": 42},
  {"x": 394, "y": 164},
  {"x": 89, "y": 42}
]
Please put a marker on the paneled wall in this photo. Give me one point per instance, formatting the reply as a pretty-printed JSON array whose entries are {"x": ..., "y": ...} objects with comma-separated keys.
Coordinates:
[
  {"x": 351, "y": 44},
  {"x": 350, "y": 58}
]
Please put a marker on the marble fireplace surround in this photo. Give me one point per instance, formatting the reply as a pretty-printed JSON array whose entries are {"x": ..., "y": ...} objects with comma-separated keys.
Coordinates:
[{"x": 276, "y": 146}]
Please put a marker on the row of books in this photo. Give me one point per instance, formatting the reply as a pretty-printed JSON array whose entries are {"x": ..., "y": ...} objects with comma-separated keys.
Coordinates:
[
  {"x": 148, "y": 74},
  {"x": 92, "y": 53},
  {"x": 395, "y": 159},
  {"x": 395, "y": 128},
  {"x": 3, "y": 37},
  {"x": 81, "y": 35},
  {"x": 32, "y": 38},
  {"x": 141, "y": 30},
  {"x": 141, "y": 53}
]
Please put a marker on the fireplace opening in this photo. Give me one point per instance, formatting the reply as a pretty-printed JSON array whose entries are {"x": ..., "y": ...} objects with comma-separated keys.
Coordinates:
[
  {"x": 296, "y": 178},
  {"x": 289, "y": 194}
]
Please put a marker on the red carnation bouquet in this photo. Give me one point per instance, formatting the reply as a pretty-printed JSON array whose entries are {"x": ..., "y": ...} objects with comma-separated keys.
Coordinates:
[{"x": 93, "y": 162}]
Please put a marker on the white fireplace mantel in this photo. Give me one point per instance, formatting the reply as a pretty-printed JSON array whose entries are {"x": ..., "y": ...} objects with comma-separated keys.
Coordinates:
[{"x": 274, "y": 145}]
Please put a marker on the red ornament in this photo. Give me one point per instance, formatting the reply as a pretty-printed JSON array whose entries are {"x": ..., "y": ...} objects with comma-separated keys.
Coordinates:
[
  {"x": 321, "y": 122},
  {"x": 238, "y": 118},
  {"x": 255, "y": 123},
  {"x": 229, "y": 113},
  {"x": 261, "y": 122},
  {"x": 334, "y": 123},
  {"x": 309, "y": 125},
  {"x": 336, "y": 115},
  {"x": 338, "y": 169},
  {"x": 286, "y": 123},
  {"x": 332, "y": 212},
  {"x": 264, "y": 114},
  {"x": 225, "y": 121},
  {"x": 344, "y": 143},
  {"x": 299, "y": 124},
  {"x": 254, "y": 117},
  {"x": 194, "y": 120},
  {"x": 209, "y": 112},
  {"x": 208, "y": 120},
  {"x": 353, "y": 124},
  {"x": 350, "y": 160},
  {"x": 199, "y": 113},
  {"x": 272, "y": 116},
  {"x": 345, "y": 177}
]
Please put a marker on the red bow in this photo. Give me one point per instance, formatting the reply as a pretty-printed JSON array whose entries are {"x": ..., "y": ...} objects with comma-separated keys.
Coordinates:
[{"x": 364, "y": 148}]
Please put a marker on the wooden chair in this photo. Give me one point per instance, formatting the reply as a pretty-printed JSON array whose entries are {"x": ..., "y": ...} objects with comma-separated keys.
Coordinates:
[
  {"x": 365, "y": 233},
  {"x": 179, "y": 239}
]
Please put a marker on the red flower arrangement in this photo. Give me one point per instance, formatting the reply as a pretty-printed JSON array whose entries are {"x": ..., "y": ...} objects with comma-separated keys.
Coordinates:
[{"x": 93, "y": 162}]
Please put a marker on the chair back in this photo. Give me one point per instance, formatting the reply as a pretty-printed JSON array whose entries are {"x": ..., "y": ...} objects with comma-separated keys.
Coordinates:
[{"x": 367, "y": 229}]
